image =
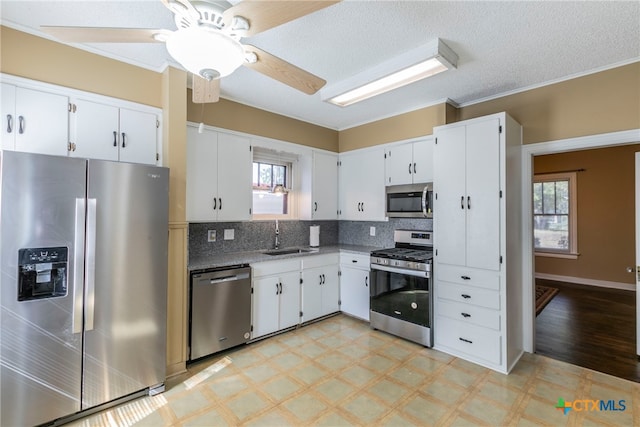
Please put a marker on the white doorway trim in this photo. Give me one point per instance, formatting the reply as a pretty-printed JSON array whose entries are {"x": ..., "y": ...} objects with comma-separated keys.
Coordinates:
[
  {"x": 528, "y": 268},
  {"x": 637, "y": 266}
]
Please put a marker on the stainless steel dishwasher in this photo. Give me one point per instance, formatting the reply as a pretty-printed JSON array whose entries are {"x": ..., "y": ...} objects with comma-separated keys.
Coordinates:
[{"x": 220, "y": 310}]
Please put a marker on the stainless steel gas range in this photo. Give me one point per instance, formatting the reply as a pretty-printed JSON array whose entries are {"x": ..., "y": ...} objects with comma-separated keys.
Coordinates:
[{"x": 401, "y": 285}]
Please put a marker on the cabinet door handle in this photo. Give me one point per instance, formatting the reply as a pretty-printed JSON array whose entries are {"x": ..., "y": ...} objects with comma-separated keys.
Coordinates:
[
  {"x": 366, "y": 281},
  {"x": 414, "y": 168},
  {"x": 21, "y": 125},
  {"x": 465, "y": 296},
  {"x": 465, "y": 340},
  {"x": 324, "y": 280},
  {"x": 465, "y": 277},
  {"x": 409, "y": 168},
  {"x": 465, "y": 315},
  {"x": 315, "y": 206},
  {"x": 123, "y": 140},
  {"x": 281, "y": 288},
  {"x": 362, "y": 206},
  {"x": 115, "y": 138},
  {"x": 9, "y": 123},
  {"x": 468, "y": 202},
  {"x": 461, "y": 202},
  {"x": 215, "y": 203},
  {"x": 220, "y": 203},
  {"x": 277, "y": 288},
  {"x": 320, "y": 278}
]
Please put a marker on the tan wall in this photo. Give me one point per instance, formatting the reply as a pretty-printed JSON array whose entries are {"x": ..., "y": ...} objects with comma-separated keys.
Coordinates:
[
  {"x": 242, "y": 118},
  {"x": 404, "y": 126},
  {"x": 606, "y": 213},
  {"x": 39, "y": 59},
  {"x": 604, "y": 102}
]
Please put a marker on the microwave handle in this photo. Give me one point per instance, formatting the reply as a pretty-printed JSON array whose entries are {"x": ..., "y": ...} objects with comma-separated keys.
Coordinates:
[{"x": 424, "y": 201}]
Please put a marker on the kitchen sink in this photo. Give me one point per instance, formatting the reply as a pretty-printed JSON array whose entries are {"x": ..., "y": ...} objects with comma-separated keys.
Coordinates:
[{"x": 287, "y": 251}]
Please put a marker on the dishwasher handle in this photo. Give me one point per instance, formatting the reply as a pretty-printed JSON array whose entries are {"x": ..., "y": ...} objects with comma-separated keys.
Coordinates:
[{"x": 228, "y": 278}]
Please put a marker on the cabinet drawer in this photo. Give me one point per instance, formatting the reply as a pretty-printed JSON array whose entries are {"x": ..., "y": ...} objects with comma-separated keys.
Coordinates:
[
  {"x": 355, "y": 260},
  {"x": 320, "y": 260},
  {"x": 472, "y": 340},
  {"x": 468, "y": 295},
  {"x": 468, "y": 276},
  {"x": 269, "y": 268},
  {"x": 469, "y": 314}
]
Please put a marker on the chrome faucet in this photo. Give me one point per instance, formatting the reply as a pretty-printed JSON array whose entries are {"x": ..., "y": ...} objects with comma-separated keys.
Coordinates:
[{"x": 277, "y": 245}]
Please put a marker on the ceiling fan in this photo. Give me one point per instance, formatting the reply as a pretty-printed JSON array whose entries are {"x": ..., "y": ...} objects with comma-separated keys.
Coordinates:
[{"x": 207, "y": 40}]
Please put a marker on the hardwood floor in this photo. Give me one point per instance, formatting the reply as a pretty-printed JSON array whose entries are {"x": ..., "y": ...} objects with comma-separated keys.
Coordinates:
[{"x": 590, "y": 327}]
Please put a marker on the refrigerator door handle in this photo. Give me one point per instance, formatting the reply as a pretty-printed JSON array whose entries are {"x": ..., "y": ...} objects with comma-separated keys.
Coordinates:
[
  {"x": 78, "y": 266},
  {"x": 90, "y": 263}
]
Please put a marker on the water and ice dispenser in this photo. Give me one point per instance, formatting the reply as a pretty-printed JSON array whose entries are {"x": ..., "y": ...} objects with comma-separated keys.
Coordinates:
[{"x": 42, "y": 273}]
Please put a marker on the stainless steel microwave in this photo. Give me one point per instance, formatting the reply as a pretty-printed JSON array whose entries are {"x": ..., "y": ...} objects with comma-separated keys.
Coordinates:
[{"x": 410, "y": 201}]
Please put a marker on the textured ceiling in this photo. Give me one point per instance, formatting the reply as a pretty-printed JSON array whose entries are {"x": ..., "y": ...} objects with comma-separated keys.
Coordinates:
[{"x": 502, "y": 47}]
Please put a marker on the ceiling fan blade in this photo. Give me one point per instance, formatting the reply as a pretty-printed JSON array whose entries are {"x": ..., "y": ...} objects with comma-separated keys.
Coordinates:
[
  {"x": 107, "y": 35},
  {"x": 283, "y": 71},
  {"x": 263, "y": 15},
  {"x": 205, "y": 91}
]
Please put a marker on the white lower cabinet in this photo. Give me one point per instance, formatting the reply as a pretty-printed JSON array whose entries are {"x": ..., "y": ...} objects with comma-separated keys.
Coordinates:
[
  {"x": 320, "y": 286},
  {"x": 354, "y": 285},
  {"x": 275, "y": 296}
]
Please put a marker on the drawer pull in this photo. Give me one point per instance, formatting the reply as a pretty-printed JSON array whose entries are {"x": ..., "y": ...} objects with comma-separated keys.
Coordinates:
[
  {"x": 465, "y": 315},
  {"x": 465, "y": 296},
  {"x": 397, "y": 312},
  {"x": 465, "y": 340},
  {"x": 465, "y": 277}
]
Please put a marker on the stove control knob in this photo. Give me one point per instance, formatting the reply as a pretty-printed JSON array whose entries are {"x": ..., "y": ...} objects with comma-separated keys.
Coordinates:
[{"x": 414, "y": 305}]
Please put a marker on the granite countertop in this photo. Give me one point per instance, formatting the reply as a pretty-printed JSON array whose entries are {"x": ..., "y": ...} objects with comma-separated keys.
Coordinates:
[{"x": 235, "y": 258}]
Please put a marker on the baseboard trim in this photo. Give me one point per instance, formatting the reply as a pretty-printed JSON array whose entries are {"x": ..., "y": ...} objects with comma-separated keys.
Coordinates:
[{"x": 589, "y": 282}]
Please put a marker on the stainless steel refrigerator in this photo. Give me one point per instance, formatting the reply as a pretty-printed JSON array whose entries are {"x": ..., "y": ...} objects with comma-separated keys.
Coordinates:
[{"x": 83, "y": 284}]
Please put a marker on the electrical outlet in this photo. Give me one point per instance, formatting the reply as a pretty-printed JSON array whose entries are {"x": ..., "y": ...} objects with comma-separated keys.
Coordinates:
[
  {"x": 229, "y": 234},
  {"x": 372, "y": 231},
  {"x": 211, "y": 235}
]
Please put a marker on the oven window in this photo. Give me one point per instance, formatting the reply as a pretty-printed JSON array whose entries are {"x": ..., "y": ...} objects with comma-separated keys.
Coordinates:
[
  {"x": 403, "y": 202},
  {"x": 401, "y": 296}
]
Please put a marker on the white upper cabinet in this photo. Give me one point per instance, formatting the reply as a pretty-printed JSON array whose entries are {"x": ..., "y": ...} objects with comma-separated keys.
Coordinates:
[
  {"x": 105, "y": 131},
  {"x": 34, "y": 121},
  {"x": 361, "y": 179},
  {"x": 325, "y": 186},
  {"x": 218, "y": 176},
  {"x": 467, "y": 185},
  {"x": 409, "y": 163},
  {"x": 48, "y": 119},
  {"x": 138, "y": 141}
]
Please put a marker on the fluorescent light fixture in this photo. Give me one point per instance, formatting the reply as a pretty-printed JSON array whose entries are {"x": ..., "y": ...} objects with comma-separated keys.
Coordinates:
[{"x": 417, "y": 64}]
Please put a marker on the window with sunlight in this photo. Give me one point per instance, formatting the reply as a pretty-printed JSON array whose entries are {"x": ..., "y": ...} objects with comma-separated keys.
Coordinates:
[{"x": 554, "y": 214}]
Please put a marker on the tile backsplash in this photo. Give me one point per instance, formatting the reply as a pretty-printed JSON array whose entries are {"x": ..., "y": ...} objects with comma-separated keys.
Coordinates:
[
  {"x": 260, "y": 235},
  {"x": 256, "y": 235}
]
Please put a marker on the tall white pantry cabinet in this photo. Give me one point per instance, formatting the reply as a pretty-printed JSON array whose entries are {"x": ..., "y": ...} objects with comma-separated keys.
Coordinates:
[{"x": 477, "y": 230}]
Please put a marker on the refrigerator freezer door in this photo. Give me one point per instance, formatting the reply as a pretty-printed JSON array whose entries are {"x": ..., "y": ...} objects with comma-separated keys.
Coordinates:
[
  {"x": 125, "y": 347},
  {"x": 42, "y": 217}
]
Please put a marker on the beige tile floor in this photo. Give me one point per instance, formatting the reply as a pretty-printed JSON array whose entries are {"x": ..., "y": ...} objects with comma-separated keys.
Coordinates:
[{"x": 339, "y": 372}]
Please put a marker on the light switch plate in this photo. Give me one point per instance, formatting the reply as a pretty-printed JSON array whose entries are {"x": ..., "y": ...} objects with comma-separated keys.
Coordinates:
[
  {"x": 372, "y": 231},
  {"x": 229, "y": 234},
  {"x": 211, "y": 235}
]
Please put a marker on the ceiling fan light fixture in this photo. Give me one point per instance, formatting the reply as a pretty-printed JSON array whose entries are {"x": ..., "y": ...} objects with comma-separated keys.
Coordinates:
[
  {"x": 417, "y": 64},
  {"x": 205, "y": 52}
]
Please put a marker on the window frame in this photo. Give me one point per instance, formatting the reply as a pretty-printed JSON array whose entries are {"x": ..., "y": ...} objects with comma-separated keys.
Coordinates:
[
  {"x": 267, "y": 156},
  {"x": 572, "y": 251}
]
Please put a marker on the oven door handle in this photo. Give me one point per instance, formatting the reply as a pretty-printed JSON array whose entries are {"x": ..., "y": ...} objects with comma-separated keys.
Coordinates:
[{"x": 415, "y": 273}]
